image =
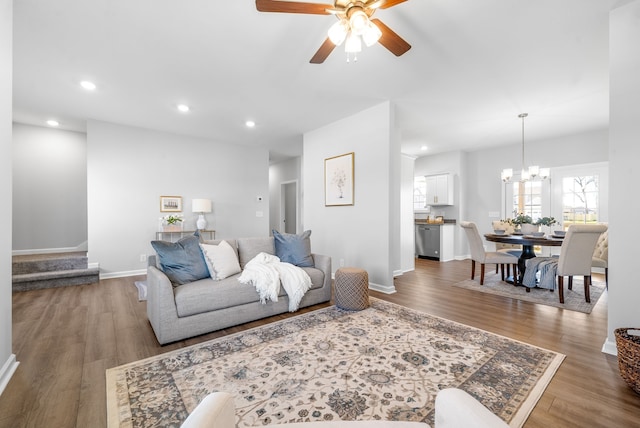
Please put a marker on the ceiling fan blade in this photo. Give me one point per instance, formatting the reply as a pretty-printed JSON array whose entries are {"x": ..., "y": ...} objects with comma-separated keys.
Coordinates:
[
  {"x": 385, "y": 4},
  {"x": 390, "y": 40},
  {"x": 293, "y": 7},
  {"x": 324, "y": 51}
]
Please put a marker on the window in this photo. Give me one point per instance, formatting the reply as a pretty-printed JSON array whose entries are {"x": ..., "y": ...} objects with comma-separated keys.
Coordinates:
[
  {"x": 419, "y": 193},
  {"x": 527, "y": 199},
  {"x": 580, "y": 202},
  {"x": 573, "y": 194}
]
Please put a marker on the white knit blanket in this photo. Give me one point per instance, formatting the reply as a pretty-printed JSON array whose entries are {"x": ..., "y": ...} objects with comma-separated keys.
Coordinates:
[{"x": 266, "y": 272}]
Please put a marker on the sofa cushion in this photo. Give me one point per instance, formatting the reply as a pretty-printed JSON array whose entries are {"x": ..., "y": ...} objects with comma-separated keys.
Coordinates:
[
  {"x": 316, "y": 275},
  {"x": 222, "y": 260},
  {"x": 207, "y": 295},
  {"x": 181, "y": 261},
  {"x": 248, "y": 248},
  {"x": 294, "y": 249}
]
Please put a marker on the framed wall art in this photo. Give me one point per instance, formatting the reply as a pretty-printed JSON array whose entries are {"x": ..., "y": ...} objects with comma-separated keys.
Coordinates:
[
  {"x": 170, "y": 204},
  {"x": 339, "y": 180}
]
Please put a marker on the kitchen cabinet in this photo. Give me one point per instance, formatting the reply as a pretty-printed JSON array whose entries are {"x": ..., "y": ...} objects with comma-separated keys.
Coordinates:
[{"x": 439, "y": 189}]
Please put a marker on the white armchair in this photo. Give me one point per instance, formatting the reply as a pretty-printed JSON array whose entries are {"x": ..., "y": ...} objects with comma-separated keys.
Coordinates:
[{"x": 454, "y": 409}]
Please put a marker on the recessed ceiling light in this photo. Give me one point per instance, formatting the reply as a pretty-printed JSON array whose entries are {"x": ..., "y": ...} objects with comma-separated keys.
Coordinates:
[
  {"x": 52, "y": 122},
  {"x": 89, "y": 86},
  {"x": 183, "y": 108},
  {"x": 423, "y": 148},
  {"x": 250, "y": 124}
]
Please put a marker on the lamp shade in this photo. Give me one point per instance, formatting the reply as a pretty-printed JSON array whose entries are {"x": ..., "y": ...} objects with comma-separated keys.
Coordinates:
[{"x": 201, "y": 206}]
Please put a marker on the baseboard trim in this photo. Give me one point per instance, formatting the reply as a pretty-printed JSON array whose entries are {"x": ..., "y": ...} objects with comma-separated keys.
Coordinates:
[
  {"x": 609, "y": 347},
  {"x": 386, "y": 289},
  {"x": 109, "y": 275},
  {"x": 7, "y": 371}
]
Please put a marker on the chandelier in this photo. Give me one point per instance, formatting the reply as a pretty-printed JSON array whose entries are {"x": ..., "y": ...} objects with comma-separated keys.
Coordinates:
[
  {"x": 527, "y": 173},
  {"x": 353, "y": 28}
]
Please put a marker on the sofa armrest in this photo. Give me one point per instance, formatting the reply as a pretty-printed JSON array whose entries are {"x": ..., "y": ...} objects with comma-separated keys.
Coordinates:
[
  {"x": 161, "y": 304},
  {"x": 455, "y": 408},
  {"x": 323, "y": 263}
]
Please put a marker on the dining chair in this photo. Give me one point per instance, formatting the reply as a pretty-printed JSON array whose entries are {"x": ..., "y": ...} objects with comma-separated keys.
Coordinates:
[
  {"x": 600, "y": 257},
  {"x": 576, "y": 256},
  {"x": 480, "y": 255},
  {"x": 513, "y": 249}
]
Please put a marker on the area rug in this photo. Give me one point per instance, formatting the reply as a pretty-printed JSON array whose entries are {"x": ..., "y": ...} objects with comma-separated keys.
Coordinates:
[
  {"x": 386, "y": 362},
  {"x": 573, "y": 299}
]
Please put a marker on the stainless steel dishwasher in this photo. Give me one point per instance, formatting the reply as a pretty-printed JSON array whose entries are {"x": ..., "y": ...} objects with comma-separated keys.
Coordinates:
[{"x": 428, "y": 241}]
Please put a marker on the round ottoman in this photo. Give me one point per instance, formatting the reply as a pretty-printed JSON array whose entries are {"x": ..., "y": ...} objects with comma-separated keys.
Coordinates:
[{"x": 352, "y": 289}]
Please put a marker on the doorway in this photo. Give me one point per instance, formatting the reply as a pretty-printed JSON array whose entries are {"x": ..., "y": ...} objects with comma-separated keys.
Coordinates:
[{"x": 289, "y": 206}]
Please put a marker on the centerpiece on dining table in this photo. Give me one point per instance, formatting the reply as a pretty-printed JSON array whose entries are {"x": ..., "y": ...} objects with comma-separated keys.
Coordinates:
[{"x": 525, "y": 225}]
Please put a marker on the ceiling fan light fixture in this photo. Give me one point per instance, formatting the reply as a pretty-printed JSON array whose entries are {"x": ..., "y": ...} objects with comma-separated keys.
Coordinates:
[
  {"x": 371, "y": 35},
  {"x": 353, "y": 43},
  {"x": 338, "y": 32},
  {"x": 358, "y": 21}
]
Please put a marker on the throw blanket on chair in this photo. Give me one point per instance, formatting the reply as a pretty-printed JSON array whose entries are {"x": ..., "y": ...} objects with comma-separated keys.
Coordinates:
[
  {"x": 266, "y": 272},
  {"x": 547, "y": 266}
]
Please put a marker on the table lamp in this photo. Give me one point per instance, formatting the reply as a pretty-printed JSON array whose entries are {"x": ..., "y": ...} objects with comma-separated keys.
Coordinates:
[{"x": 201, "y": 206}]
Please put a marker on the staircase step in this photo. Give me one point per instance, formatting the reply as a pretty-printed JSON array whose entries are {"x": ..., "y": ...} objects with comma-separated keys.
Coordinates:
[
  {"x": 62, "y": 278},
  {"x": 49, "y": 264}
]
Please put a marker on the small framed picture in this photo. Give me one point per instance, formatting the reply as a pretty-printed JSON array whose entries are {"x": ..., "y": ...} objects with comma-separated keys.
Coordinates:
[
  {"x": 170, "y": 204},
  {"x": 338, "y": 180}
]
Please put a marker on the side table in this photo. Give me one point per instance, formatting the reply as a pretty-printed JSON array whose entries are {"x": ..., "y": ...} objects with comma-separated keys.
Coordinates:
[
  {"x": 177, "y": 234},
  {"x": 352, "y": 289}
]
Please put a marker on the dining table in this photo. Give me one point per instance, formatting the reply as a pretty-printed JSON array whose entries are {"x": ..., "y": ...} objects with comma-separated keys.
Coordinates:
[{"x": 528, "y": 243}]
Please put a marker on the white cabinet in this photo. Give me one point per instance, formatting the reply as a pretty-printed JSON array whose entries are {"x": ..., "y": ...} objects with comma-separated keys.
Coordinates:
[{"x": 439, "y": 189}]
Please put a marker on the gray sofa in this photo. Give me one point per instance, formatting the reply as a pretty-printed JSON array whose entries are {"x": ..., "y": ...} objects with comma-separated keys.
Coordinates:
[{"x": 205, "y": 305}]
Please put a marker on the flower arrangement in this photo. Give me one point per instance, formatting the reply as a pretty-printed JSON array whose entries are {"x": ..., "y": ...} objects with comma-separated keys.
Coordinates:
[
  {"x": 173, "y": 219},
  {"x": 522, "y": 218}
]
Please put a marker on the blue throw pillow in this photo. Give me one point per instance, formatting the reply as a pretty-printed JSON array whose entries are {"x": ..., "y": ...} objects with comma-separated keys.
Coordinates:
[
  {"x": 181, "y": 261},
  {"x": 294, "y": 249}
]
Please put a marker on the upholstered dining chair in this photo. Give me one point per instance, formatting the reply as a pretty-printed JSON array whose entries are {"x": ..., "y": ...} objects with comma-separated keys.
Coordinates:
[
  {"x": 513, "y": 249},
  {"x": 576, "y": 256},
  {"x": 480, "y": 255},
  {"x": 600, "y": 257}
]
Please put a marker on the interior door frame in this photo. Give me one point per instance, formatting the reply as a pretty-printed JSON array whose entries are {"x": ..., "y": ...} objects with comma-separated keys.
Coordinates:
[{"x": 281, "y": 222}]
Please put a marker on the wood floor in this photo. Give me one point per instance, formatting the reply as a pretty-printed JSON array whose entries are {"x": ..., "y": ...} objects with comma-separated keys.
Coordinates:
[{"x": 66, "y": 338}]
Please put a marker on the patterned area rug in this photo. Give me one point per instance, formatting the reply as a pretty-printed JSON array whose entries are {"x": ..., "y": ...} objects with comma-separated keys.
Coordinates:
[
  {"x": 386, "y": 362},
  {"x": 573, "y": 299}
]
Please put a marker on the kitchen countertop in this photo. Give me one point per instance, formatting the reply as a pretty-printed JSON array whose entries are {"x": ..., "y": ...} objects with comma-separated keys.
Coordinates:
[{"x": 446, "y": 221}]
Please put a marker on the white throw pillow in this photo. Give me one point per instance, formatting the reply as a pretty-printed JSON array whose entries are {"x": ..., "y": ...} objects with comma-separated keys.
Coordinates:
[{"x": 221, "y": 259}]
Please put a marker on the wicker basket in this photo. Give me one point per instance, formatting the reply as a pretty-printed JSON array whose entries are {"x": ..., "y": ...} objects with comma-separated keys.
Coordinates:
[{"x": 629, "y": 357}]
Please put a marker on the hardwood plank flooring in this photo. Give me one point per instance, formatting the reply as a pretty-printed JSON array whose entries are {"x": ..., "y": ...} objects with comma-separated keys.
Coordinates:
[{"x": 65, "y": 339}]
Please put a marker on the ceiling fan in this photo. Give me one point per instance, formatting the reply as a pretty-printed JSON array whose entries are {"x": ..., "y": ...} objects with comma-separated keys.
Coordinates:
[{"x": 353, "y": 27}]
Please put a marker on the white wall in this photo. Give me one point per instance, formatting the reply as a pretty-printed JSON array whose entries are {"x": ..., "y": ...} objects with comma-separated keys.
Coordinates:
[
  {"x": 8, "y": 362},
  {"x": 49, "y": 190},
  {"x": 624, "y": 152},
  {"x": 359, "y": 234},
  {"x": 407, "y": 225},
  {"x": 130, "y": 168},
  {"x": 283, "y": 172}
]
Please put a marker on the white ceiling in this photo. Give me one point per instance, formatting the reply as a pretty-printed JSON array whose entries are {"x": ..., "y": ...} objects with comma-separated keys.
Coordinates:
[{"x": 473, "y": 67}]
